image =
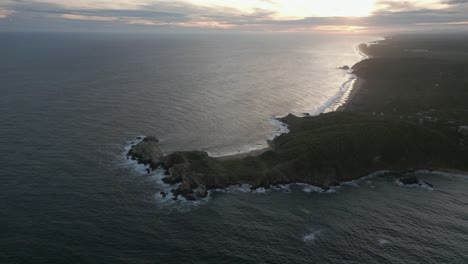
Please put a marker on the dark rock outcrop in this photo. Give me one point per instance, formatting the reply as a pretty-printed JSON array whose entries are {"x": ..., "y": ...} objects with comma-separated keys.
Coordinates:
[
  {"x": 178, "y": 166},
  {"x": 463, "y": 130},
  {"x": 344, "y": 67},
  {"x": 173, "y": 159},
  {"x": 185, "y": 191},
  {"x": 409, "y": 179},
  {"x": 177, "y": 173},
  {"x": 147, "y": 152},
  {"x": 151, "y": 139}
]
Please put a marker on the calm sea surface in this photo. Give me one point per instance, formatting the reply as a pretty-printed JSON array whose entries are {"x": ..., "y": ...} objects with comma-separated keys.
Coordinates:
[{"x": 71, "y": 103}]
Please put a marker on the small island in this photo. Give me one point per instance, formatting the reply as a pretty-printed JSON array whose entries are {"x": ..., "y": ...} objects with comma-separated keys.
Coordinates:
[{"x": 407, "y": 111}]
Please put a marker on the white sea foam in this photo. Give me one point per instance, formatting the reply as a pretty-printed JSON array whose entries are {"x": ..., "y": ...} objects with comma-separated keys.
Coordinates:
[
  {"x": 370, "y": 184},
  {"x": 351, "y": 183},
  {"x": 280, "y": 127},
  {"x": 339, "y": 98},
  {"x": 261, "y": 190},
  {"x": 375, "y": 174},
  {"x": 423, "y": 185},
  {"x": 139, "y": 168},
  {"x": 164, "y": 195},
  {"x": 383, "y": 241},
  {"x": 243, "y": 188},
  {"x": 311, "y": 236},
  {"x": 283, "y": 187},
  {"x": 310, "y": 188}
]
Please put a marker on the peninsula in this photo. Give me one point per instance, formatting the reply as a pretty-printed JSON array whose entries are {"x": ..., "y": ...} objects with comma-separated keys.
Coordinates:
[{"x": 408, "y": 111}]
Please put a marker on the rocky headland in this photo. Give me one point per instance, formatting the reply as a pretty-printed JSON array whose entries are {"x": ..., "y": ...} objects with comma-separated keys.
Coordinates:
[{"x": 409, "y": 113}]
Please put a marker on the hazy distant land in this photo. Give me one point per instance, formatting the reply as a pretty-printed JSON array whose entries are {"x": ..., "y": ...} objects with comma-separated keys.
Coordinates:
[{"x": 406, "y": 112}]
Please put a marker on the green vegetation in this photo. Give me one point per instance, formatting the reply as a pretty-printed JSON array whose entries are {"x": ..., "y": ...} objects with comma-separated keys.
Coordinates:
[
  {"x": 404, "y": 117},
  {"x": 335, "y": 147}
]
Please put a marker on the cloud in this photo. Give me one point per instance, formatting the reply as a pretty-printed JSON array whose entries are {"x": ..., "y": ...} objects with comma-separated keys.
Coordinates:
[
  {"x": 247, "y": 15},
  {"x": 455, "y": 2},
  {"x": 92, "y": 4},
  {"x": 87, "y": 18},
  {"x": 4, "y": 13}
]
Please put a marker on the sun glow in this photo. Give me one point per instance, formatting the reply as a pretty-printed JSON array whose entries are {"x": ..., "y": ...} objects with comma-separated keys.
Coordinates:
[
  {"x": 327, "y": 8},
  {"x": 293, "y": 9}
]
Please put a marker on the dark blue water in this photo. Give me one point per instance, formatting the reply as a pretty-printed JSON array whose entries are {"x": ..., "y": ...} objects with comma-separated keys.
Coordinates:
[{"x": 70, "y": 103}]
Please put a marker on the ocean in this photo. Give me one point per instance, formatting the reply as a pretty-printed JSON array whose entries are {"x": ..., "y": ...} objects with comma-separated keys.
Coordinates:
[{"x": 71, "y": 103}]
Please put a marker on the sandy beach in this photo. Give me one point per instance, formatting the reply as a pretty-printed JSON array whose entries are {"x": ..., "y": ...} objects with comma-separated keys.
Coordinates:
[{"x": 252, "y": 153}]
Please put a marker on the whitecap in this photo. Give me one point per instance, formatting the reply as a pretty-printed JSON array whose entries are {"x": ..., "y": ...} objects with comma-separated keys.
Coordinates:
[
  {"x": 283, "y": 187},
  {"x": 261, "y": 190},
  {"x": 310, "y": 188},
  {"x": 383, "y": 241},
  {"x": 243, "y": 188},
  {"x": 311, "y": 237},
  {"x": 423, "y": 185}
]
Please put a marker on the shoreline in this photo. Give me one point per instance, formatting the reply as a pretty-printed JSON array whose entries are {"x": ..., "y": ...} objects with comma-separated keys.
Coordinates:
[
  {"x": 320, "y": 150},
  {"x": 357, "y": 85},
  {"x": 355, "y": 88},
  {"x": 241, "y": 155}
]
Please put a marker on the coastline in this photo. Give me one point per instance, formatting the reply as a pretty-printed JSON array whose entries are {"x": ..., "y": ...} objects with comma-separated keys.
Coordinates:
[
  {"x": 321, "y": 149},
  {"x": 357, "y": 85},
  {"x": 355, "y": 88},
  {"x": 241, "y": 155}
]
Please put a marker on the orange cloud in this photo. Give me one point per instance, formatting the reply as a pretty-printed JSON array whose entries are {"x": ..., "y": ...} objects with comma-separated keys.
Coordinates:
[
  {"x": 4, "y": 13},
  {"x": 85, "y": 17}
]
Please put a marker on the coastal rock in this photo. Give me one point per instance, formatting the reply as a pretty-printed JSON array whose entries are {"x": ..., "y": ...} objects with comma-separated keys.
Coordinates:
[
  {"x": 409, "y": 179},
  {"x": 151, "y": 139},
  {"x": 344, "y": 67},
  {"x": 177, "y": 173},
  {"x": 201, "y": 191},
  {"x": 147, "y": 152},
  {"x": 190, "y": 197},
  {"x": 463, "y": 130},
  {"x": 173, "y": 159},
  {"x": 185, "y": 191}
]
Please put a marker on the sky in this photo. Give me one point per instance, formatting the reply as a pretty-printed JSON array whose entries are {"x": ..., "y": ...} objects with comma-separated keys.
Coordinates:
[{"x": 345, "y": 16}]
